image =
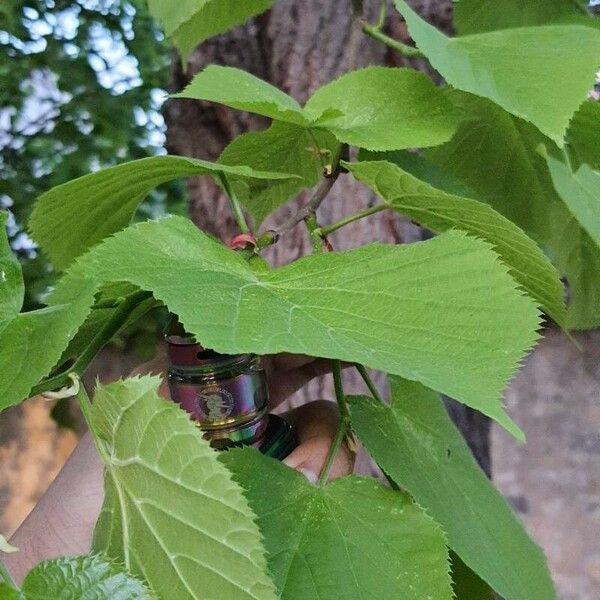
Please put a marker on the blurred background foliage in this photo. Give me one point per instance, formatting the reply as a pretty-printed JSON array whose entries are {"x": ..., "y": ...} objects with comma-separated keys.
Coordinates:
[{"x": 82, "y": 83}]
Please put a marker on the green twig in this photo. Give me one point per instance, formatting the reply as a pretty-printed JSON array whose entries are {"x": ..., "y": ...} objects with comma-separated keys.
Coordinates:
[
  {"x": 236, "y": 207},
  {"x": 110, "y": 328},
  {"x": 382, "y": 13},
  {"x": 327, "y": 229},
  {"x": 319, "y": 194},
  {"x": 314, "y": 232},
  {"x": 343, "y": 425},
  {"x": 375, "y": 32},
  {"x": 369, "y": 382}
]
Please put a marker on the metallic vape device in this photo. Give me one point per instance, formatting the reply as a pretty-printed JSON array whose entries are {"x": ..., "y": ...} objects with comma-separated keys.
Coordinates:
[{"x": 227, "y": 396}]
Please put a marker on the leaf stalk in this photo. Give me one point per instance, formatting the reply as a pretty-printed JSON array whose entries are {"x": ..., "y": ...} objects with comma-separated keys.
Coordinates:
[
  {"x": 111, "y": 327},
  {"x": 343, "y": 425},
  {"x": 327, "y": 229},
  {"x": 374, "y": 31},
  {"x": 234, "y": 203}
]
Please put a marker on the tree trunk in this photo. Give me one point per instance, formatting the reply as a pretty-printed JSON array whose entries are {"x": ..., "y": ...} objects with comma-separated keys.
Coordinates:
[{"x": 298, "y": 46}]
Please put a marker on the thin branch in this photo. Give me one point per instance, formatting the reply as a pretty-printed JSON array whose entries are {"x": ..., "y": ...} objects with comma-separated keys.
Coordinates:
[
  {"x": 317, "y": 198},
  {"x": 311, "y": 206},
  {"x": 369, "y": 382},
  {"x": 343, "y": 425},
  {"x": 375, "y": 32},
  {"x": 327, "y": 229}
]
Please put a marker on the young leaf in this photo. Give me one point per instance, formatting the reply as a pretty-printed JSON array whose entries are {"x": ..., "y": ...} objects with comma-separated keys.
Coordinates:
[
  {"x": 496, "y": 155},
  {"x": 172, "y": 515},
  {"x": 439, "y": 212},
  {"x": 512, "y": 67},
  {"x": 72, "y": 217},
  {"x": 352, "y": 538},
  {"x": 420, "y": 311},
  {"x": 81, "y": 577},
  {"x": 188, "y": 23},
  {"x": 283, "y": 147},
  {"x": 580, "y": 191},
  {"x": 583, "y": 137},
  {"x": 241, "y": 90},
  {"x": 415, "y": 443},
  {"x": 476, "y": 16},
  {"x": 386, "y": 109},
  {"x": 11, "y": 278}
]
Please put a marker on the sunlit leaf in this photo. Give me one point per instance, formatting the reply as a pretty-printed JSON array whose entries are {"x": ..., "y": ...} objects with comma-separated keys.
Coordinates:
[
  {"x": 497, "y": 156},
  {"x": 190, "y": 22},
  {"x": 172, "y": 515},
  {"x": 352, "y": 538},
  {"x": 476, "y": 16},
  {"x": 283, "y": 147},
  {"x": 415, "y": 443},
  {"x": 386, "y": 109},
  {"x": 11, "y": 278},
  {"x": 512, "y": 67},
  {"x": 440, "y": 211},
  {"x": 443, "y": 312},
  {"x": 583, "y": 136},
  {"x": 243, "y": 91},
  {"x": 70, "y": 218},
  {"x": 580, "y": 191},
  {"x": 81, "y": 578}
]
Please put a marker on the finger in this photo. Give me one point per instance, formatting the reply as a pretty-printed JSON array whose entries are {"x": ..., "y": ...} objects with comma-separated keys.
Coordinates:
[
  {"x": 281, "y": 386},
  {"x": 309, "y": 458},
  {"x": 280, "y": 363}
]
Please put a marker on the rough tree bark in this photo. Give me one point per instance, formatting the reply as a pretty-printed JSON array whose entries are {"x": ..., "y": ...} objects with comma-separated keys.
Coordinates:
[{"x": 298, "y": 46}]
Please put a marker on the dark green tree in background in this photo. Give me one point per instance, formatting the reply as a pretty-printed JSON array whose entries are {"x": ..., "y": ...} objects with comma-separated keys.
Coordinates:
[{"x": 81, "y": 85}]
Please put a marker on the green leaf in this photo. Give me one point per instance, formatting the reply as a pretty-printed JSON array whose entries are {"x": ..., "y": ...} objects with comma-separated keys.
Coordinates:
[
  {"x": 9, "y": 593},
  {"x": 420, "y": 311},
  {"x": 362, "y": 108},
  {"x": 386, "y": 109},
  {"x": 415, "y": 443},
  {"x": 33, "y": 342},
  {"x": 476, "y": 16},
  {"x": 172, "y": 515},
  {"x": 189, "y": 22},
  {"x": 282, "y": 148},
  {"x": 440, "y": 212},
  {"x": 81, "y": 577},
  {"x": 70, "y": 218},
  {"x": 580, "y": 191},
  {"x": 583, "y": 136},
  {"x": 496, "y": 156},
  {"x": 421, "y": 168},
  {"x": 467, "y": 584},
  {"x": 12, "y": 289},
  {"x": 352, "y": 538},
  {"x": 512, "y": 67},
  {"x": 241, "y": 90}
]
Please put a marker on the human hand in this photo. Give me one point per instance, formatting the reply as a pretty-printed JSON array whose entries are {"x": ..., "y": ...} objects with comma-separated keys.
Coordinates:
[{"x": 63, "y": 520}]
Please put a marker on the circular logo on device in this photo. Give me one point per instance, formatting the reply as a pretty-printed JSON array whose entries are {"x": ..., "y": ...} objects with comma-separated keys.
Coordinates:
[{"x": 215, "y": 403}]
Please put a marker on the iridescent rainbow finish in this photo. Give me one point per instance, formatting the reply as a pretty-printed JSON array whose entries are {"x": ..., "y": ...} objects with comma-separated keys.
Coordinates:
[{"x": 227, "y": 396}]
